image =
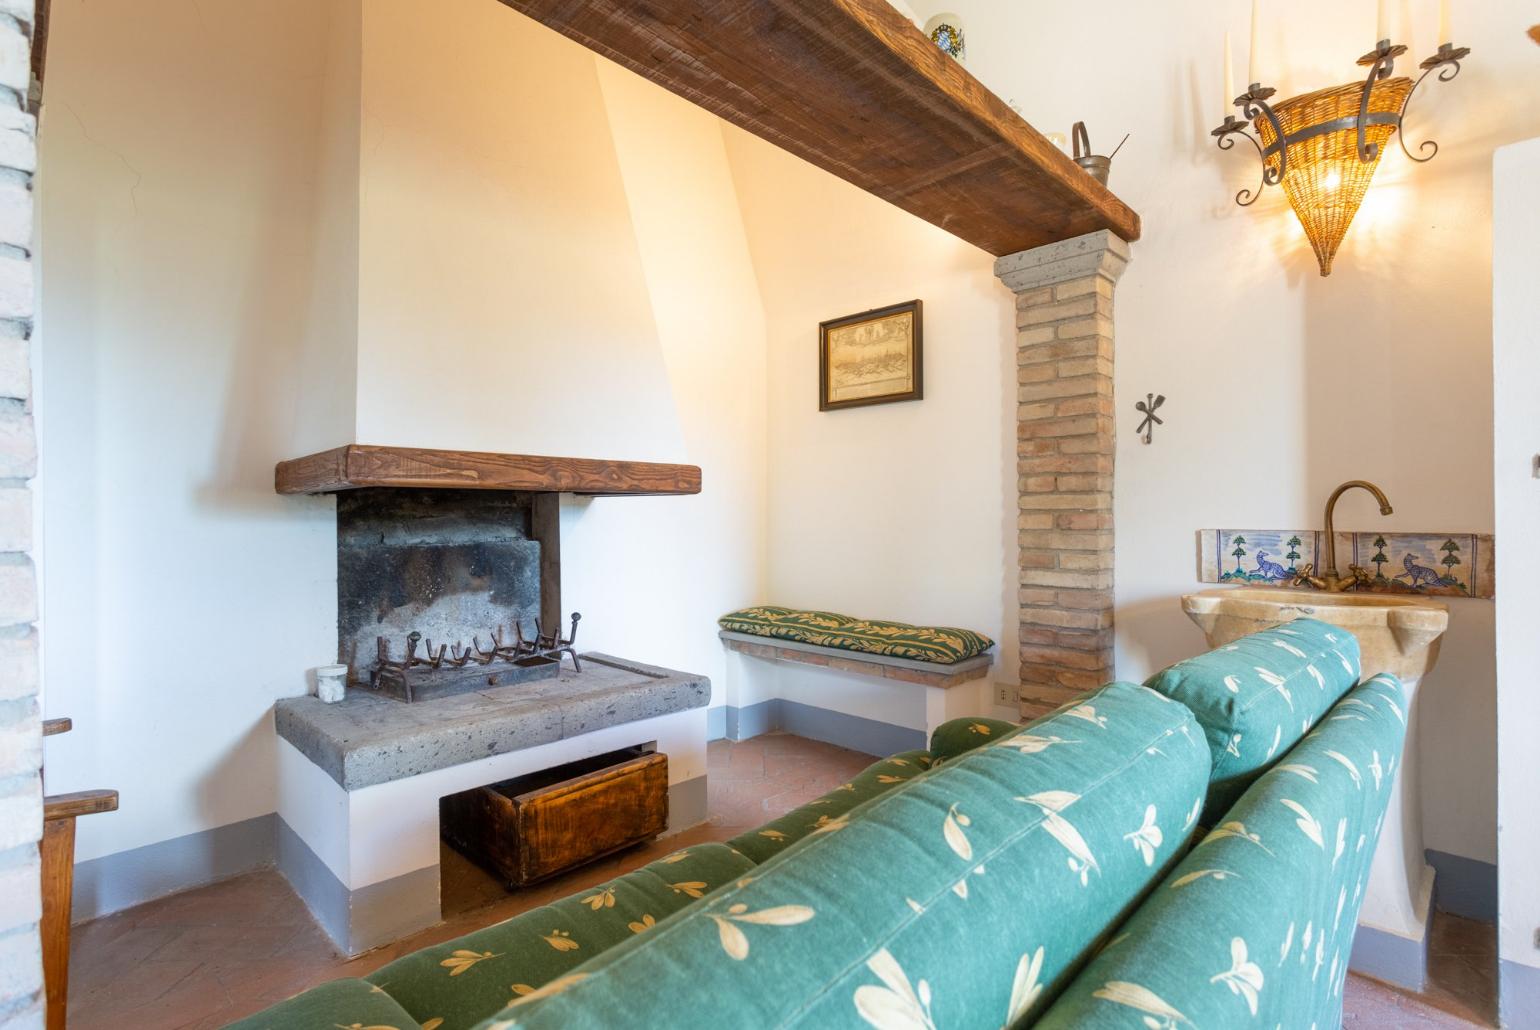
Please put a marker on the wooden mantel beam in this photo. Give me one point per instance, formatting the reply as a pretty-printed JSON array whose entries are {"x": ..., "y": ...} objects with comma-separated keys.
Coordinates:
[
  {"x": 853, "y": 87},
  {"x": 356, "y": 466}
]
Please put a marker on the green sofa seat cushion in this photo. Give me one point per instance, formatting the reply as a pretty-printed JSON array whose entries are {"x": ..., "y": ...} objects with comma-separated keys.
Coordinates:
[
  {"x": 765, "y": 842},
  {"x": 466, "y": 980},
  {"x": 966, "y": 899},
  {"x": 958, "y": 736},
  {"x": 945, "y": 645},
  {"x": 1255, "y": 927},
  {"x": 1256, "y": 697},
  {"x": 339, "y": 1003}
]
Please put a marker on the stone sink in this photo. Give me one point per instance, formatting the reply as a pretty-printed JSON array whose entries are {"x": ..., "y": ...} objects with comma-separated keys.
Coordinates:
[{"x": 1399, "y": 634}]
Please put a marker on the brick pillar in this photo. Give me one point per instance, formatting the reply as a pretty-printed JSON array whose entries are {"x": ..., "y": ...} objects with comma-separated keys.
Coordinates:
[
  {"x": 21, "y": 733},
  {"x": 1065, "y": 433}
]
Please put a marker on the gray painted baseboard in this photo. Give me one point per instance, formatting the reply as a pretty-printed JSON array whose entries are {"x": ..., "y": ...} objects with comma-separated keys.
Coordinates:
[
  {"x": 753, "y": 720},
  {"x": 1464, "y": 886},
  {"x": 115, "y": 882},
  {"x": 1390, "y": 957},
  {"x": 687, "y": 804},
  {"x": 716, "y": 722},
  {"x": 1518, "y": 993},
  {"x": 368, "y": 917},
  {"x": 849, "y": 731}
]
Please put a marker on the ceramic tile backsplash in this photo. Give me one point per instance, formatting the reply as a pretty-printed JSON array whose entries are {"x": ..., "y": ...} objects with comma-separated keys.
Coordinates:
[{"x": 1439, "y": 564}]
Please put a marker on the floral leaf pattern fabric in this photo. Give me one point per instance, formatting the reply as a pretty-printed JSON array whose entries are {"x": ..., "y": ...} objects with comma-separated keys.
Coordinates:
[
  {"x": 467, "y": 980},
  {"x": 1204, "y": 950},
  {"x": 959, "y": 736},
  {"x": 945, "y": 645},
  {"x": 911, "y": 914},
  {"x": 1256, "y": 697},
  {"x": 895, "y": 1005}
]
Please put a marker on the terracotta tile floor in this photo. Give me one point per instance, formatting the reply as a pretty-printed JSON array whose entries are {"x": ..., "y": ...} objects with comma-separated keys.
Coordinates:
[{"x": 208, "y": 956}]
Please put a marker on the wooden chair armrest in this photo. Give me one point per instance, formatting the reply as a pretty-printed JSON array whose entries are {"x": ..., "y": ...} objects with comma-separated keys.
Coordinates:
[
  {"x": 52, "y": 726},
  {"x": 78, "y": 803}
]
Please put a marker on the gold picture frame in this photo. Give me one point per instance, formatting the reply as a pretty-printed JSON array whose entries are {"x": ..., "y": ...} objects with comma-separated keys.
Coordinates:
[{"x": 875, "y": 357}]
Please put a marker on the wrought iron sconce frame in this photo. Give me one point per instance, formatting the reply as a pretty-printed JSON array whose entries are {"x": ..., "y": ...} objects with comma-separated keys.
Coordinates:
[{"x": 1381, "y": 64}]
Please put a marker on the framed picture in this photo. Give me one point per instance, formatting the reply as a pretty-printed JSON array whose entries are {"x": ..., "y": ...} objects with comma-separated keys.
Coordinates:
[{"x": 871, "y": 358}]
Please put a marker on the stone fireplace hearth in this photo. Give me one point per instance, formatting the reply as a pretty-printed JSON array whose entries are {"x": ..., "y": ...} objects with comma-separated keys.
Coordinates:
[{"x": 359, "y": 782}]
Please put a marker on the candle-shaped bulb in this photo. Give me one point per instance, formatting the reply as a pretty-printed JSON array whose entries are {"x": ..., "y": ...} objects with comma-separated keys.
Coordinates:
[
  {"x": 1382, "y": 23},
  {"x": 1252, "y": 74},
  {"x": 1445, "y": 32}
]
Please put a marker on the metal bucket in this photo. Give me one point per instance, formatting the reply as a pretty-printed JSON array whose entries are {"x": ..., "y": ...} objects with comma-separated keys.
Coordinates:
[{"x": 1096, "y": 167}]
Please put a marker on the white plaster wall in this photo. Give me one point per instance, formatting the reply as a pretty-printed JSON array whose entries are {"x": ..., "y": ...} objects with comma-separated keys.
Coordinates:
[
  {"x": 327, "y": 384},
  {"x": 1516, "y": 372},
  {"x": 894, "y": 511},
  {"x": 180, "y": 158},
  {"x": 1281, "y": 384},
  {"x": 705, "y": 554},
  {"x": 553, "y": 263},
  {"x": 263, "y": 243},
  {"x": 502, "y": 302}
]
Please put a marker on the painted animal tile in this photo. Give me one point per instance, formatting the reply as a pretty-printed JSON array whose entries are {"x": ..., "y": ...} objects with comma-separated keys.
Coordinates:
[
  {"x": 1436, "y": 564},
  {"x": 1254, "y": 555},
  {"x": 1440, "y": 564}
]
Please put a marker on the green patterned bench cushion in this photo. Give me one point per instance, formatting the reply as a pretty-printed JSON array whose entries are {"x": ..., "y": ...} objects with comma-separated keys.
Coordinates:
[
  {"x": 340, "y": 1003},
  {"x": 966, "y": 899},
  {"x": 1257, "y": 696},
  {"x": 767, "y": 841},
  {"x": 944, "y": 645},
  {"x": 1255, "y": 926},
  {"x": 958, "y": 736},
  {"x": 466, "y": 980}
]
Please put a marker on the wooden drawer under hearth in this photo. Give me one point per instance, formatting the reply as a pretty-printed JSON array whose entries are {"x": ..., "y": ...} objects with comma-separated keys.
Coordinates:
[{"x": 532, "y": 827}]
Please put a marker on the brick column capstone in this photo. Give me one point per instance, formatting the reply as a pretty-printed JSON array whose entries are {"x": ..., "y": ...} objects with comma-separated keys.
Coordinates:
[
  {"x": 21, "y": 734},
  {"x": 1065, "y": 432}
]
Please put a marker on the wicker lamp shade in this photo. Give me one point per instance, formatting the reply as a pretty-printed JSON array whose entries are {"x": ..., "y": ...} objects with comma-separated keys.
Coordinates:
[{"x": 1325, "y": 178}]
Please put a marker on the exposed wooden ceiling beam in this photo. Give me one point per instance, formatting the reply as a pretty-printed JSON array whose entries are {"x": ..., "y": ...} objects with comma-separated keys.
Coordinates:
[{"x": 853, "y": 87}]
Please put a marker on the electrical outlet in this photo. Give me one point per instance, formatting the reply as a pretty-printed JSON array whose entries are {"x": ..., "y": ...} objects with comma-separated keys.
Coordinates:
[{"x": 1005, "y": 694}]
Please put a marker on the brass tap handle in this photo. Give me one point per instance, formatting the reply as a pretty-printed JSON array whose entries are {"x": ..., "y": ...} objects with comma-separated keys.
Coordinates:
[
  {"x": 1358, "y": 576},
  {"x": 1303, "y": 578}
]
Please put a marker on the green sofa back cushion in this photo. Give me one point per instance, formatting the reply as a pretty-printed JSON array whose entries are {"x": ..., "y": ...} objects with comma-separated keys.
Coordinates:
[
  {"x": 1256, "y": 697},
  {"x": 966, "y": 898},
  {"x": 1255, "y": 927},
  {"x": 959, "y": 736},
  {"x": 466, "y": 980},
  {"x": 942, "y": 644}
]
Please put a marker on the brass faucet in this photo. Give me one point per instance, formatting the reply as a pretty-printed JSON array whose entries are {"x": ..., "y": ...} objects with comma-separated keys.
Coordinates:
[{"x": 1357, "y": 576}]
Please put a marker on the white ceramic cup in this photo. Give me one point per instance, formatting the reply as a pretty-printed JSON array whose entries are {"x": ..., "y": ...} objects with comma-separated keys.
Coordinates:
[{"x": 331, "y": 683}]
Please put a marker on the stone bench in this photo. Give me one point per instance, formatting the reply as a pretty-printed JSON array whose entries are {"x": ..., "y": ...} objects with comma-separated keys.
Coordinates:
[
  {"x": 877, "y": 704},
  {"x": 930, "y": 674}
]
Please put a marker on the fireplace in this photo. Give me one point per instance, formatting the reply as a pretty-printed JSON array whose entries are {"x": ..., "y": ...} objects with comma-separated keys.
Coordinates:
[
  {"x": 441, "y": 592},
  {"x": 466, "y": 681}
]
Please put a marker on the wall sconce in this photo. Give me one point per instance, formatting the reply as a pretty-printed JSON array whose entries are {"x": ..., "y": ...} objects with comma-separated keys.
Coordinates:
[{"x": 1323, "y": 147}]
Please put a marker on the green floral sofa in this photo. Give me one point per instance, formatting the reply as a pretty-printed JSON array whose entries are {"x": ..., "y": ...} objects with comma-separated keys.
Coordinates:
[{"x": 1056, "y": 875}]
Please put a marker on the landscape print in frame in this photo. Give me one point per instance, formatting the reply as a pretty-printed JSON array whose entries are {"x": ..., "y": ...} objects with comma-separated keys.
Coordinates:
[{"x": 871, "y": 358}]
